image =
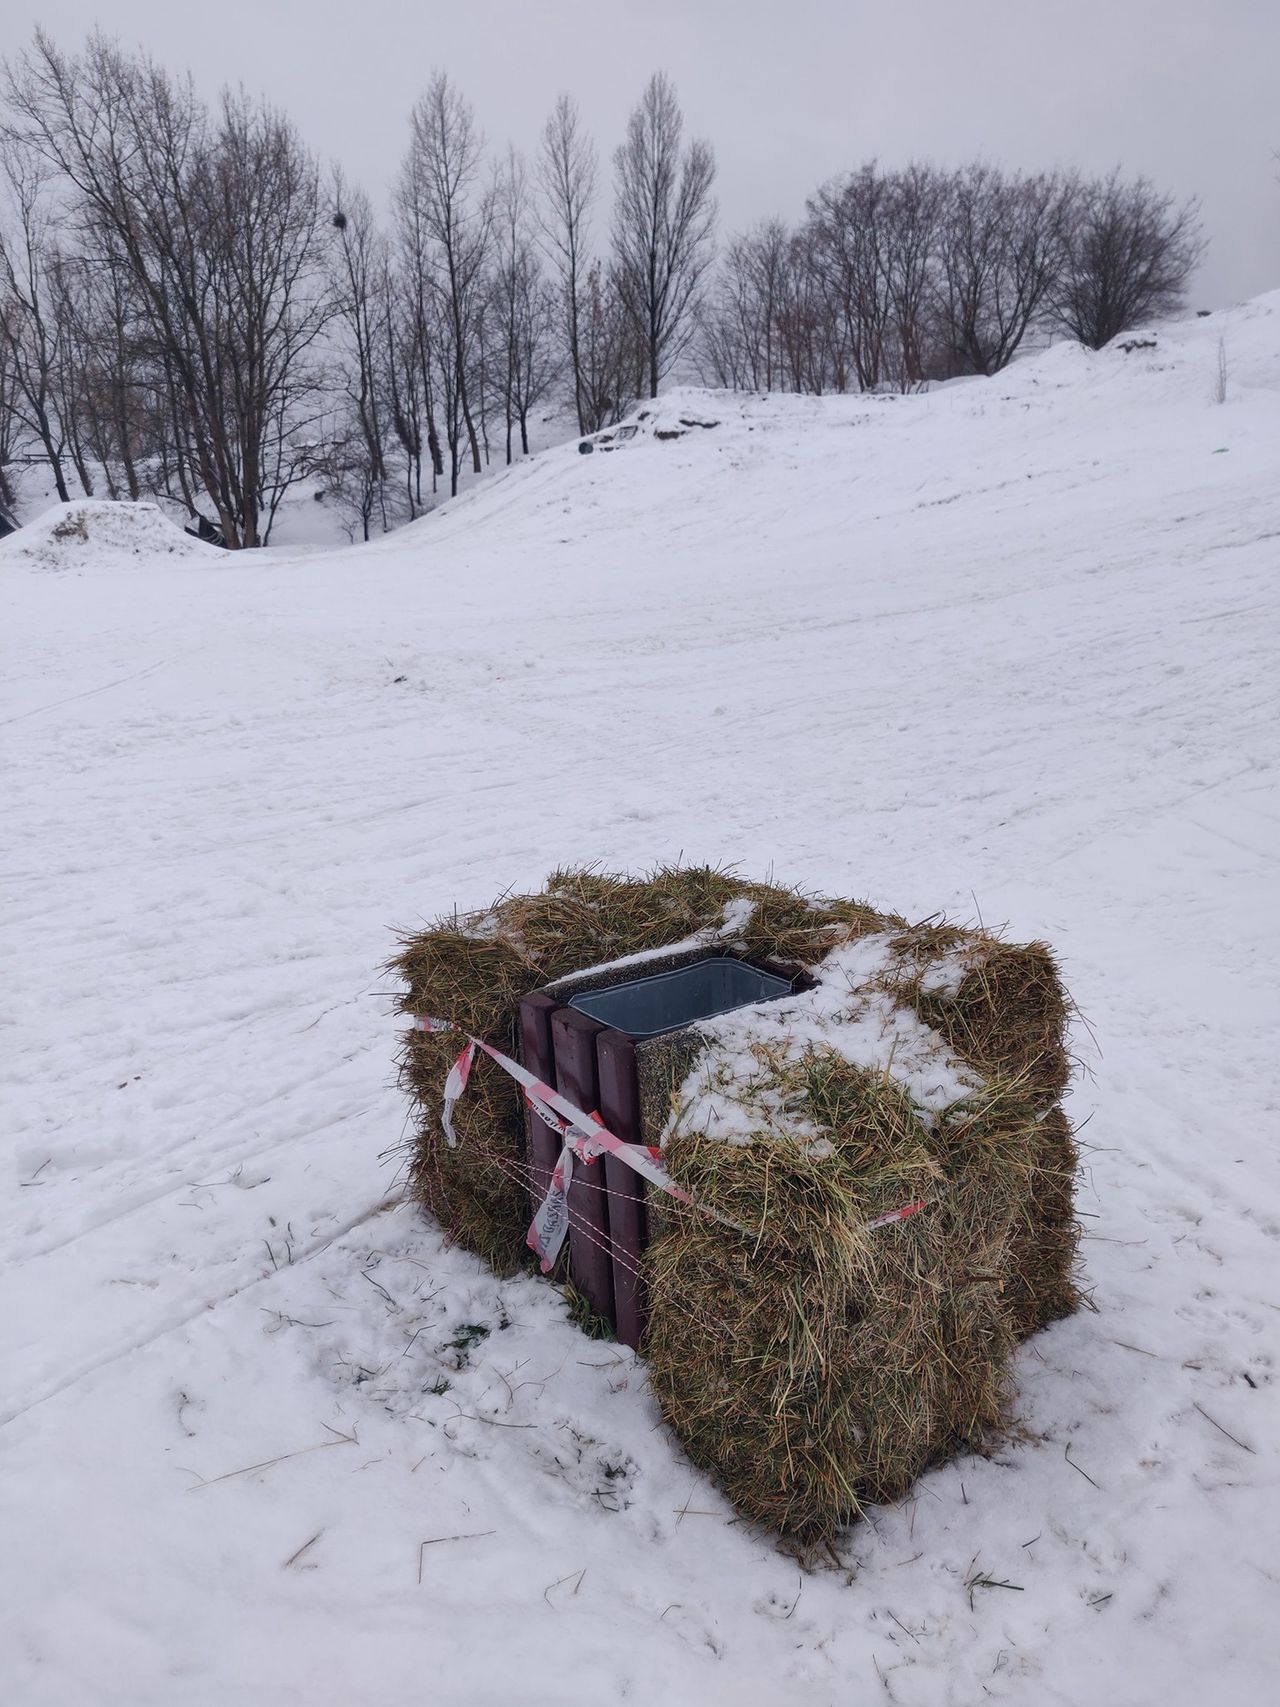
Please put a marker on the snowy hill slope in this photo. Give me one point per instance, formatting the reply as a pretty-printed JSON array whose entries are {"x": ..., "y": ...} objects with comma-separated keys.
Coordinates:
[{"x": 1009, "y": 646}]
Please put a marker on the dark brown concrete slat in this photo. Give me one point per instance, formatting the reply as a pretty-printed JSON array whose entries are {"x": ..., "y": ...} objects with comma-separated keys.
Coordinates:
[
  {"x": 620, "y": 1111},
  {"x": 573, "y": 1038},
  {"x": 537, "y": 1055}
]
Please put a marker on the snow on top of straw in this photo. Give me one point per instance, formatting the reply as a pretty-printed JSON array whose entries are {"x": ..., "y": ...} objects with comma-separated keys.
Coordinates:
[{"x": 728, "y": 1093}]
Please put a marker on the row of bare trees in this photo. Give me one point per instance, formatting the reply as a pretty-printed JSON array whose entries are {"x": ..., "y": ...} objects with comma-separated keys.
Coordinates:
[
  {"x": 488, "y": 297},
  {"x": 896, "y": 277},
  {"x": 191, "y": 307}
]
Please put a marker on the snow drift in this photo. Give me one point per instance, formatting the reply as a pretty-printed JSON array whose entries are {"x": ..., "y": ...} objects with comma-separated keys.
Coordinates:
[{"x": 98, "y": 535}]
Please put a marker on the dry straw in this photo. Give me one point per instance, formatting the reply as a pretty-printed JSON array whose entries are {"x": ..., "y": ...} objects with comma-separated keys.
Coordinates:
[{"x": 813, "y": 1366}]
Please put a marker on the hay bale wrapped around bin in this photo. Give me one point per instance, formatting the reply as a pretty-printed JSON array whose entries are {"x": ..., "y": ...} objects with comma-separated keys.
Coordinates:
[
  {"x": 809, "y": 1359},
  {"x": 473, "y": 969}
]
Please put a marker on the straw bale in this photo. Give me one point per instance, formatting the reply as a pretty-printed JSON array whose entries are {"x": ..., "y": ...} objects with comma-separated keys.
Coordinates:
[
  {"x": 817, "y": 1366},
  {"x": 1005, "y": 1011},
  {"x": 810, "y": 1364}
]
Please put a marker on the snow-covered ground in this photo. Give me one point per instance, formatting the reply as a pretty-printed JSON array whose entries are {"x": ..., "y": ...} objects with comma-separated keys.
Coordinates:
[{"x": 1008, "y": 647}]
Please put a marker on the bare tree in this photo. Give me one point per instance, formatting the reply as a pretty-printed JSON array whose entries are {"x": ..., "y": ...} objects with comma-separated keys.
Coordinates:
[
  {"x": 739, "y": 342},
  {"x": 1000, "y": 252},
  {"x": 454, "y": 213},
  {"x": 455, "y": 363},
  {"x": 849, "y": 223},
  {"x": 217, "y": 222},
  {"x": 362, "y": 309},
  {"x": 104, "y": 372},
  {"x": 265, "y": 252},
  {"x": 567, "y": 171},
  {"x": 412, "y": 384},
  {"x": 612, "y": 351},
  {"x": 30, "y": 324},
  {"x": 10, "y": 426},
  {"x": 522, "y": 308},
  {"x": 812, "y": 339},
  {"x": 510, "y": 209},
  {"x": 664, "y": 217},
  {"x": 413, "y": 364},
  {"x": 1130, "y": 250},
  {"x": 72, "y": 378}
]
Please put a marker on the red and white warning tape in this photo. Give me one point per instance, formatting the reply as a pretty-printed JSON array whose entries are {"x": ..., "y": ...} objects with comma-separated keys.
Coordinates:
[
  {"x": 903, "y": 1214},
  {"x": 585, "y": 1136}
]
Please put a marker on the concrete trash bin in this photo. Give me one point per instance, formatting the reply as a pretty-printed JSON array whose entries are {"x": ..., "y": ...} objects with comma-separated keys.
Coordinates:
[{"x": 584, "y": 1041}]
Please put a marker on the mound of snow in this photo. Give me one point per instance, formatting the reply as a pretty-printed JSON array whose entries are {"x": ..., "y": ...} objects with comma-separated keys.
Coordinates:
[{"x": 93, "y": 533}]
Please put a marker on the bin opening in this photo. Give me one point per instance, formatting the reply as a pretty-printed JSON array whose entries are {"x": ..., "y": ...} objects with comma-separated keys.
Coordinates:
[{"x": 645, "y": 1007}]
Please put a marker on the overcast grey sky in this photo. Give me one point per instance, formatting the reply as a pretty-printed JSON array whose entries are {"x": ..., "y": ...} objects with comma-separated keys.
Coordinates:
[{"x": 788, "y": 91}]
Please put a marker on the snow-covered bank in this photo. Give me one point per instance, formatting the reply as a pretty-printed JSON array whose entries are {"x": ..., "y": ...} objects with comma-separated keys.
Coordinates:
[{"x": 1011, "y": 647}]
